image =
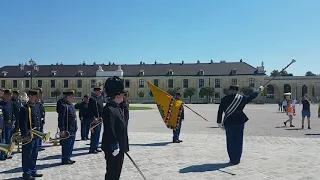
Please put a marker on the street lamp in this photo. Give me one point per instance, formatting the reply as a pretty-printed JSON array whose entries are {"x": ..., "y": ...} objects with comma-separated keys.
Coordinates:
[{"x": 34, "y": 70}]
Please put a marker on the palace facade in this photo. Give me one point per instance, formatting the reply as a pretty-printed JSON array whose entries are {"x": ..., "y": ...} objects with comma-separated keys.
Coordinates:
[{"x": 166, "y": 76}]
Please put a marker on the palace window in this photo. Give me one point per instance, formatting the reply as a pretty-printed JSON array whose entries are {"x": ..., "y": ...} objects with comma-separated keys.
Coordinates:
[
  {"x": 65, "y": 83},
  {"x": 234, "y": 81},
  {"x": 79, "y": 83},
  {"x": 156, "y": 82},
  {"x": 251, "y": 82},
  {"x": 3, "y": 83},
  {"x": 52, "y": 83},
  {"x": 185, "y": 83},
  {"x": 27, "y": 83},
  {"x": 79, "y": 94},
  {"x": 39, "y": 83},
  {"x": 217, "y": 83},
  {"x": 127, "y": 83},
  {"x": 201, "y": 72},
  {"x": 15, "y": 83},
  {"x": 141, "y": 83},
  {"x": 170, "y": 72},
  {"x": 201, "y": 83},
  {"x": 170, "y": 83}
]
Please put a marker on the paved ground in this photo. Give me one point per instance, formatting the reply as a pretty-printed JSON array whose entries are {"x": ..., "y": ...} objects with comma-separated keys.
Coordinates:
[{"x": 270, "y": 152}]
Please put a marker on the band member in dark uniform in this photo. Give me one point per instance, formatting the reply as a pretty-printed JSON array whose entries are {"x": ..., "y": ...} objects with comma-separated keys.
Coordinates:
[
  {"x": 115, "y": 136},
  {"x": 176, "y": 133},
  {"x": 125, "y": 107},
  {"x": 60, "y": 102},
  {"x": 8, "y": 116},
  {"x": 67, "y": 123},
  {"x": 95, "y": 107},
  {"x": 84, "y": 115},
  {"x": 234, "y": 119},
  {"x": 16, "y": 108},
  {"x": 43, "y": 115},
  {"x": 29, "y": 118},
  {"x": 2, "y": 155}
]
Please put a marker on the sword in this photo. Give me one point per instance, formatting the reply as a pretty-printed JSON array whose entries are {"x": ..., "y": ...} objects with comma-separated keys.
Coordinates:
[
  {"x": 293, "y": 61},
  {"x": 136, "y": 166}
]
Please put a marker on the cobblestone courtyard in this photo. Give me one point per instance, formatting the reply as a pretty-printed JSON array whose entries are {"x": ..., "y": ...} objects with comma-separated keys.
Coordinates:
[{"x": 271, "y": 151}]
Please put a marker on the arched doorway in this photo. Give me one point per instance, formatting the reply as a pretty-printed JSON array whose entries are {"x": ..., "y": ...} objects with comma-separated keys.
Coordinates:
[
  {"x": 270, "y": 92},
  {"x": 304, "y": 90},
  {"x": 287, "y": 88}
]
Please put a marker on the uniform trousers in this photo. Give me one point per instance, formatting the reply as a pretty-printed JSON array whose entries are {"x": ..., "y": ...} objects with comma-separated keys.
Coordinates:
[
  {"x": 95, "y": 138},
  {"x": 67, "y": 147},
  {"x": 8, "y": 132},
  {"x": 176, "y": 133},
  {"x": 85, "y": 126},
  {"x": 234, "y": 135},
  {"x": 2, "y": 154},
  {"x": 29, "y": 157},
  {"x": 114, "y": 166}
]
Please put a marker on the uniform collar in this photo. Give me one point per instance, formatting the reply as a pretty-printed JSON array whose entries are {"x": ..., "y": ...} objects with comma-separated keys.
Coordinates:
[{"x": 113, "y": 104}]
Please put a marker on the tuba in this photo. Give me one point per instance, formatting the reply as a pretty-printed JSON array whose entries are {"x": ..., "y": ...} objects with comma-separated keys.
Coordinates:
[{"x": 7, "y": 148}]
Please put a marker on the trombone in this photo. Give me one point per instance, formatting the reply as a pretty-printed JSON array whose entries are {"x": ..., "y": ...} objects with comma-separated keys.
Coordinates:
[
  {"x": 95, "y": 124},
  {"x": 7, "y": 148},
  {"x": 18, "y": 138}
]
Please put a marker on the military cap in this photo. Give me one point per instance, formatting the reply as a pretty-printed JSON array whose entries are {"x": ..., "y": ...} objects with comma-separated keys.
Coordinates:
[
  {"x": 39, "y": 89},
  {"x": 97, "y": 88},
  {"x": 7, "y": 91},
  {"x": 33, "y": 92},
  {"x": 234, "y": 87},
  {"x": 178, "y": 94},
  {"x": 69, "y": 92},
  {"x": 16, "y": 91},
  {"x": 114, "y": 86}
]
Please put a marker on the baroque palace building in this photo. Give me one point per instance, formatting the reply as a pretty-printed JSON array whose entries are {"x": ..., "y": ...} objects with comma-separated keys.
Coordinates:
[{"x": 166, "y": 76}]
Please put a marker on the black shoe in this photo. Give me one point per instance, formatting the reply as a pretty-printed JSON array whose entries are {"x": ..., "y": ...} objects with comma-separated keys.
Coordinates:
[
  {"x": 28, "y": 177},
  {"x": 285, "y": 123},
  {"x": 180, "y": 140},
  {"x": 309, "y": 127},
  {"x": 9, "y": 157},
  {"x": 291, "y": 125},
  {"x": 93, "y": 152},
  {"x": 71, "y": 161},
  {"x": 41, "y": 149},
  {"x": 67, "y": 163},
  {"x": 177, "y": 141},
  {"x": 36, "y": 175},
  {"x": 234, "y": 163},
  {"x": 302, "y": 127},
  {"x": 3, "y": 159}
]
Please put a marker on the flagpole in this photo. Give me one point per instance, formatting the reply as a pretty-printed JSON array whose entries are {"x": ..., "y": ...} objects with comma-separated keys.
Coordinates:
[{"x": 195, "y": 112}]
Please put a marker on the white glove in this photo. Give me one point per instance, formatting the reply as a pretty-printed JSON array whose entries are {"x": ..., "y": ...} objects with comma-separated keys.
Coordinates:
[
  {"x": 261, "y": 88},
  {"x": 116, "y": 152}
]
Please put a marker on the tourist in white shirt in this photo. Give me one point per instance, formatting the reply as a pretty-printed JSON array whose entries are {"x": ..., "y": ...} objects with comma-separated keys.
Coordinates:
[
  {"x": 284, "y": 105},
  {"x": 294, "y": 102}
]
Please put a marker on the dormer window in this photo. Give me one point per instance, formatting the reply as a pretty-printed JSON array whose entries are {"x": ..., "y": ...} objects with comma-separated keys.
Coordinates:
[
  {"x": 201, "y": 72},
  {"x": 28, "y": 73},
  {"x": 170, "y": 72},
  {"x": 141, "y": 73},
  {"x": 80, "y": 73},
  {"x": 4, "y": 73},
  {"x": 53, "y": 73},
  {"x": 234, "y": 72}
]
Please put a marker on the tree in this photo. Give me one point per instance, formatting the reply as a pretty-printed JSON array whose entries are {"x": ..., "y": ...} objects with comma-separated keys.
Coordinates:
[
  {"x": 246, "y": 90},
  {"x": 189, "y": 92},
  {"x": 141, "y": 94},
  {"x": 309, "y": 73},
  {"x": 56, "y": 93},
  {"x": 172, "y": 92},
  {"x": 282, "y": 73},
  {"x": 208, "y": 92}
]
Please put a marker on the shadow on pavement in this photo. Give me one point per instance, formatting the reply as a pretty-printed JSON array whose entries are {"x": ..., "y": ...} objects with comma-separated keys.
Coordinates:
[
  {"x": 152, "y": 144},
  {"x": 316, "y": 134},
  {"x": 39, "y": 167},
  {"x": 295, "y": 129},
  {"x": 206, "y": 167},
  {"x": 214, "y": 127},
  {"x": 59, "y": 156},
  {"x": 280, "y": 127}
]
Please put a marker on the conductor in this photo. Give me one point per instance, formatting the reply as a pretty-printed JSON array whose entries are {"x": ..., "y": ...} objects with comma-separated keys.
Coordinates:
[{"x": 115, "y": 136}]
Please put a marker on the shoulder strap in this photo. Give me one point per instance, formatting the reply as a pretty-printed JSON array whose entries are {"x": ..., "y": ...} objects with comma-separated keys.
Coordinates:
[
  {"x": 233, "y": 106},
  {"x": 67, "y": 113},
  {"x": 30, "y": 120}
]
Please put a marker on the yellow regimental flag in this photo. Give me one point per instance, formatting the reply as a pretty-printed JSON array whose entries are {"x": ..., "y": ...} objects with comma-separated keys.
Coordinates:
[{"x": 169, "y": 108}]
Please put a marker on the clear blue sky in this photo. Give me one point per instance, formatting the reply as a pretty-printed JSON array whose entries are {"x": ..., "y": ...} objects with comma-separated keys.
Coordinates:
[{"x": 130, "y": 31}]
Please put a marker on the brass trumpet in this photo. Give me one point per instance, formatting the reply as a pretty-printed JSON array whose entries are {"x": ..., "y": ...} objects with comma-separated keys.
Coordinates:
[
  {"x": 7, "y": 148},
  {"x": 17, "y": 137},
  {"x": 95, "y": 124}
]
